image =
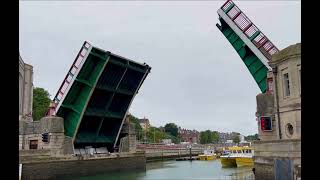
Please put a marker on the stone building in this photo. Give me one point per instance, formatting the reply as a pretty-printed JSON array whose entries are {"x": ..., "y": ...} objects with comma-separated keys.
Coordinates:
[
  {"x": 278, "y": 153},
  {"x": 25, "y": 89},
  {"x": 287, "y": 64},
  {"x": 30, "y": 136},
  {"x": 30, "y": 132}
]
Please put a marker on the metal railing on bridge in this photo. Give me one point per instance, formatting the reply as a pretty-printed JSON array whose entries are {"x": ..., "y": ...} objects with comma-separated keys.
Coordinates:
[
  {"x": 249, "y": 29},
  {"x": 69, "y": 78}
]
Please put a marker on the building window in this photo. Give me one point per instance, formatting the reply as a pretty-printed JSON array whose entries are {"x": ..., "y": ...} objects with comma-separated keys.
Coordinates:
[
  {"x": 286, "y": 84},
  {"x": 33, "y": 144},
  {"x": 289, "y": 130}
]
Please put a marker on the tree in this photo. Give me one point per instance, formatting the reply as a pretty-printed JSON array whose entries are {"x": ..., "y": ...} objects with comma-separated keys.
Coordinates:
[
  {"x": 155, "y": 135},
  {"x": 203, "y": 137},
  {"x": 236, "y": 139},
  {"x": 41, "y": 102},
  {"x": 209, "y": 137},
  {"x": 215, "y": 136},
  {"x": 252, "y": 137},
  {"x": 172, "y": 129},
  {"x": 174, "y": 139}
]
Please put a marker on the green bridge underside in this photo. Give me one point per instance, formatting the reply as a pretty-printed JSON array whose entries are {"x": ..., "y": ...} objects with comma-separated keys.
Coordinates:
[
  {"x": 96, "y": 104},
  {"x": 257, "y": 69}
]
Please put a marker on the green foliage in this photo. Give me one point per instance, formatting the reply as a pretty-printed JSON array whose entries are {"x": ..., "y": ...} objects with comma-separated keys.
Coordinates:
[
  {"x": 236, "y": 139},
  {"x": 204, "y": 137},
  {"x": 209, "y": 137},
  {"x": 155, "y": 135},
  {"x": 139, "y": 131},
  {"x": 215, "y": 136},
  {"x": 174, "y": 139},
  {"x": 135, "y": 120},
  {"x": 40, "y": 104},
  {"x": 252, "y": 137},
  {"x": 172, "y": 129}
]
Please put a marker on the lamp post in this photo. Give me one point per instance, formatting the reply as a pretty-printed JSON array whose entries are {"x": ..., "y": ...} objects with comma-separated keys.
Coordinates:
[
  {"x": 190, "y": 154},
  {"x": 154, "y": 135}
]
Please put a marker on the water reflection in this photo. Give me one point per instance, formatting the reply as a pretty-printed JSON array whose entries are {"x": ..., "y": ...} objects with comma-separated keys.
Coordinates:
[
  {"x": 160, "y": 165},
  {"x": 196, "y": 170},
  {"x": 179, "y": 170}
]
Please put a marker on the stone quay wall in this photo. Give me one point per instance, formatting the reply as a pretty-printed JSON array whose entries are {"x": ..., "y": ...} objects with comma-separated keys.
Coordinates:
[
  {"x": 47, "y": 170},
  {"x": 266, "y": 152},
  {"x": 157, "y": 153},
  {"x": 33, "y": 130}
]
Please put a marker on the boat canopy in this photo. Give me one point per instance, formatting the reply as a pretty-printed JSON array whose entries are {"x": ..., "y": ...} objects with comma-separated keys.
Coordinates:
[{"x": 240, "y": 148}]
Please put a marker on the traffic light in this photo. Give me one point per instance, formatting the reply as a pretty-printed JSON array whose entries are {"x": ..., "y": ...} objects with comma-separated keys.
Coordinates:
[
  {"x": 266, "y": 123},
  {"x": 45, "y": 137}
]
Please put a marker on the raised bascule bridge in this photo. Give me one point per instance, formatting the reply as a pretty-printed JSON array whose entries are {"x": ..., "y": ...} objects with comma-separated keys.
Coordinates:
[
  {"x": 98, "y": 89},
  {"x": 95, "y": 96},
  {"x": 253, "y": 47}
]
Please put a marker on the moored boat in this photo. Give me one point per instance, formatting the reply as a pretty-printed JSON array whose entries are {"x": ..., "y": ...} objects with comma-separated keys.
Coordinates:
[
  {"x": 237, "y": 156},
  {"x": 207, "y": 155},
  {"x": 244, "y": 161},
  {"x": 227, "y": 160}
]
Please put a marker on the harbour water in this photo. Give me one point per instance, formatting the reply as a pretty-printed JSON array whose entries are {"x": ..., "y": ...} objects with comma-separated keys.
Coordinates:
[{"x": 179, "y": 170}]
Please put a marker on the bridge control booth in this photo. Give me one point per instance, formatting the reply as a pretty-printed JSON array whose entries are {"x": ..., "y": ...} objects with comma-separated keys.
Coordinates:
[{"x": 95, "y": 96}]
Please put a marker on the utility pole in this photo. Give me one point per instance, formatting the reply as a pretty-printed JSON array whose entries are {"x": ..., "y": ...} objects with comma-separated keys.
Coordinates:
[{"x": 154, "y": 135}]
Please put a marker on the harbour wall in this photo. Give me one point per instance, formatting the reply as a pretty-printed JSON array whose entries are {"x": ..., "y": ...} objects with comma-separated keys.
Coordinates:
[
  {"x": 285, "y": 153},
  {"x": 164, "y": 153},
  {"x": 75, "y": 166},
  {"x": 158, "y": 156}
]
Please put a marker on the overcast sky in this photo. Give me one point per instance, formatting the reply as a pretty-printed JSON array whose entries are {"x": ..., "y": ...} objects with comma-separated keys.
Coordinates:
[{"x": 197, "y": 80}]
